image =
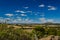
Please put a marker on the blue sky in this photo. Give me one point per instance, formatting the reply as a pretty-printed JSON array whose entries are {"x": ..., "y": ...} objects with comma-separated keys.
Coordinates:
[{"x": 30, "y": 11}]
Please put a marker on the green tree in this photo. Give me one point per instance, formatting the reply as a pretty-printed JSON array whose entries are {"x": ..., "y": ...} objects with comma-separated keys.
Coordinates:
[
  {"x": 52, "y": 31},
  {"x": 39, "y": 31}
]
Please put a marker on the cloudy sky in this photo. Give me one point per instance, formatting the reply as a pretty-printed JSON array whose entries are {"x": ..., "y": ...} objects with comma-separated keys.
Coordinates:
[{"x": 30, "y": 11}]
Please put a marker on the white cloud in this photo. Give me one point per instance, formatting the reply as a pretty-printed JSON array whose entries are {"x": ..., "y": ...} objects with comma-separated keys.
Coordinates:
[
  {"x": 42, "y": 5},
  {"x": 36, "y": 14},
  {"x": 7, "y": 18},
  {"x": 21, "y": 20},
  {"x": 2, "y": 20},
  {"x": 51, "y": 8},
  {"x": 20, "y": 11},
  {"x": 14, "y": 21},
  {"x": 29, "y": 11},
  {"x": 23, "y": 11},
  {"x": 9, "y": 14},
  {"x": 27, "y": 20},
  {"x": 23, "y": 14},
  {"x": 43, "y": 20},
  {"x": 26, "y": 7},
  {"x": 50, "y": 20}
]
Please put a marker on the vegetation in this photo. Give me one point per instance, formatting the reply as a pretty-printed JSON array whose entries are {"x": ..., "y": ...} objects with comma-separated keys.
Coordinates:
[
  {"x": 40, "y": 31},
  {"x": 12, "y": 33},
  {"x": 43, "y": 32}
]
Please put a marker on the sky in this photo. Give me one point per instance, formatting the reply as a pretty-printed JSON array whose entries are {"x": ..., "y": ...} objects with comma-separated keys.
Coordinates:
[{"x": 30, "y": 11}]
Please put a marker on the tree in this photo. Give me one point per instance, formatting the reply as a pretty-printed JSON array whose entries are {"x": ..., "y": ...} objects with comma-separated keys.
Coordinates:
[
  {"x": 52, "y": 31},
  {"x": 40, "y": 31}
]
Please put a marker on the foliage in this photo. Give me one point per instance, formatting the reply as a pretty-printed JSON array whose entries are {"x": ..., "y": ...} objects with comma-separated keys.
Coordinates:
[
  {"x": 13, "y": 34},
  {"x": 52, "y": 31},
  {"x": 58, "y": 32},
  {"x": 39, "y": 31},
  {"x": 43, "y": 31}
]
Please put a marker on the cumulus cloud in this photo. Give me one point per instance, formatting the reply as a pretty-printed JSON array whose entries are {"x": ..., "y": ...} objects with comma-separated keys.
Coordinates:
[
  {"x": 3, "y": 20},
  {"x": 29, "y": 11},
  {"x": 9, "y": 14},
  {"x": 44, "y": 20},
  {"x": 20, "y": 20},
  {"x": 36, "y": 14},
  {"x": 7, "y": 19},
  {"x": 17, "y": 20},
  {"x": 42, "y": 5},
  {"x": 20, "y": 11},
  {"x": 23, "y": 14},
  {"x": 27, "y": 20},
  {"x": 26, "y": 7},
  {"x": 18, "y": 17},
  {"x": 50, "y": 20},
  {"x": 51, "y": 8}
]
